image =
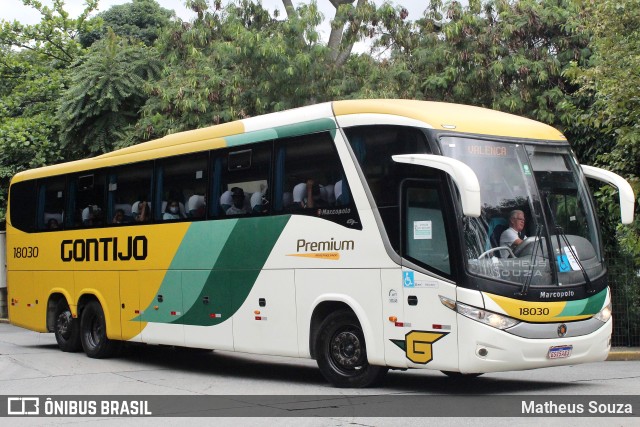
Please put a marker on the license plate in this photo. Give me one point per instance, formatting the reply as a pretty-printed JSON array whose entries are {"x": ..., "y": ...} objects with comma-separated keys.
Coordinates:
[{"x": 559, "y": 352}]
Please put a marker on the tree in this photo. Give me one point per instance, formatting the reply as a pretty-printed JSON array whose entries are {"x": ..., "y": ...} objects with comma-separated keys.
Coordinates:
[
  {"x": 34, "y": 61},
  {"x": 28, "y": 131},
  {"x": 106, "y": 92},
  {"x": 235, "y": 62},
  {"x": 141, "y": 20},
  {"x": 54, "y": 37},
  {"x": 612, "y": 80},
  {"x": 505, "y": 55}
]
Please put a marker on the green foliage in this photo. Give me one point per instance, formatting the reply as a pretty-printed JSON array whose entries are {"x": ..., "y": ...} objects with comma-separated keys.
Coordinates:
[
  {"x": 236, "y": 62},
  {"x": 612, "y": 81},
  {"x": 54, "y": 37},
  {"x": 504, "y": 55},
  {"x": 105, "y": 94},
  {"x": 28, "y": 130},
  {"x": 142, "y": 20}
]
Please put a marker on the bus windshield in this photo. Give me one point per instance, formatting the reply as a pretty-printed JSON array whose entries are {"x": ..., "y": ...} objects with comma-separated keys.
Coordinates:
[{"x": 534, "y": 202}]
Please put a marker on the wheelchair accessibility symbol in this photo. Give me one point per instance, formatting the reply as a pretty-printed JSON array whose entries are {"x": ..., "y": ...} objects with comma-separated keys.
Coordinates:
[{"x": 407, "y": 279}]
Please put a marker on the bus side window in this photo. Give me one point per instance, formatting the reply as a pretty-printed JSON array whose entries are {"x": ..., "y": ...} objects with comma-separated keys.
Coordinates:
[
  {"x": 51, "y": 203},
  {"x": 23, "y": 205},
  {"x": 308, "y": 170},
  {"x": 181, "y": 181},
  {"x": 86, "y": 203},
  {"x": 310, "y": 180},
  {"x": 243, "y": 183},
  {"x": 128, "y": 186}
]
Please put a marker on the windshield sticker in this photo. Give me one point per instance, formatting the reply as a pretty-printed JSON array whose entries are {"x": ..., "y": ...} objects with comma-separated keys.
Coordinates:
[
  {"x": 526, "y": 170},
  {"x": 422, "y": 230},
  {"x": 569, "y": 253},
  {"x": 563, "y": 264}
]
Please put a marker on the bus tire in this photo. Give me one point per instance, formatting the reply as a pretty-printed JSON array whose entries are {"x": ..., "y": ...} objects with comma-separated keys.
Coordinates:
[
  {"x": 66, "y": 329},
  {"x": 93, "y": 332},
  {"x": 342, "y": 353}
]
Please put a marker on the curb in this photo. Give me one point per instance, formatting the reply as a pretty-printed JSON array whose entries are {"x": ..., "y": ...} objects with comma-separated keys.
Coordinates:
[
  {"x": 623, "y": 354},
  {"x": 617, "y": 354}
]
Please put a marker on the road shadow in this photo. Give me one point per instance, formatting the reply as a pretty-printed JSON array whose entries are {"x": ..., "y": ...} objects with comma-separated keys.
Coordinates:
[{"x": 243, "y": 366}]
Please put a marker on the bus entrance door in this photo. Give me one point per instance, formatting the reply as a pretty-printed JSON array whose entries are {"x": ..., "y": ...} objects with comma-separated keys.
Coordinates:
[{"x": 431, "y": 337}]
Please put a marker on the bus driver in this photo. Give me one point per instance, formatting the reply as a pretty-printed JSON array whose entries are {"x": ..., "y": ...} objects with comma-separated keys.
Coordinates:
[{"x": 513, "y": 236}]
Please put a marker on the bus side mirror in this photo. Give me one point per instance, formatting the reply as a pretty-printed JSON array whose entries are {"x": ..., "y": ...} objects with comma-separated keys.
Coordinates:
[
  {"x": 627, "y": 198},
  {"x": 462, "y": 175}
]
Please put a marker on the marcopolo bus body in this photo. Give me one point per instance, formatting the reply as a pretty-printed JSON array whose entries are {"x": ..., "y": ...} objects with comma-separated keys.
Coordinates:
[{"x": 363, "y": 234}]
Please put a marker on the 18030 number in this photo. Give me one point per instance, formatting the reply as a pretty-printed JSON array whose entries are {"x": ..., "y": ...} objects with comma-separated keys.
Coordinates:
[
  {"x": 534, "y": 311},
  {"x": 26, "y": 252}
]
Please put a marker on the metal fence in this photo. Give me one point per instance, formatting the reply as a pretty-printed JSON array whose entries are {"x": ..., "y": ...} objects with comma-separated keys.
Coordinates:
[{"x": 624, "y": 281}]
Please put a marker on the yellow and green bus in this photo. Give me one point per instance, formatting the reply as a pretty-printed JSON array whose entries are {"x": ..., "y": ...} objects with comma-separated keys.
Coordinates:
[{"x": 365, "y": 234}]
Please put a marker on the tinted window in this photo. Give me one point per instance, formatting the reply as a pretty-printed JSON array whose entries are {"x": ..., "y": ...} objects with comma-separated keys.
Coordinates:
[
  {"x": 311, "y": 181},
  {"x": 241, "y": 181},
  {"x": 23, "y": 205},
  {"x": 181, "y": 185},
  {"x": 129, "y": 194},
  {"x": 373, "y": 146},
  {"x": 86, "y": 204},
  {"x": 51, "y": 203}
]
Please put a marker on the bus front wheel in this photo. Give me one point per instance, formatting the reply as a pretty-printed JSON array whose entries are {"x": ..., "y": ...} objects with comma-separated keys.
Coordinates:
[
  {"x": 93, "y": 332},
  {"x": 66, "y": 329},
  {"x": 342, "y": 353}
]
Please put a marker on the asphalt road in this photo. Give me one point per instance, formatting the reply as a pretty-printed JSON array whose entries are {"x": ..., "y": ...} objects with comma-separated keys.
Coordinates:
[{"x": 31, "y": 364}]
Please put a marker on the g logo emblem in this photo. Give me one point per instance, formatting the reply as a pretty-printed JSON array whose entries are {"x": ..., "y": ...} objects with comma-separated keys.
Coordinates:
[{"x": 418, "y": 345}]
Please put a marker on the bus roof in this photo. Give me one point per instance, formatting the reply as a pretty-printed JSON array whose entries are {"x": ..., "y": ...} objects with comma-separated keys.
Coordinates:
[{"x": 313, "y": 118}]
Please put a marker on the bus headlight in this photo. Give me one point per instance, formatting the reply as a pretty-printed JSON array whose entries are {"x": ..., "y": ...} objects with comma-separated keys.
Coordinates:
[
  {"x": 483, "y": 316},
  {"x": 605, "y": 314}
]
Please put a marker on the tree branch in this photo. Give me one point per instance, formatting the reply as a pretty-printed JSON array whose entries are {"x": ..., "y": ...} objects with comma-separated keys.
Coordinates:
[{"x": 288, "y": 6}]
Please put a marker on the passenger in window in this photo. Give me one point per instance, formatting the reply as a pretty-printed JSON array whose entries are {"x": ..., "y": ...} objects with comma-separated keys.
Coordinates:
[
  {"x": 172, "y": 211},
  {"x": 92, "y": 216},
  {"x": 314, "y": 196},
  {"x": 237, "y": 207},
  {"x": 259, "y": 202},
  {"x": 52, "y": 224},
  {"x": 144, "y": 211},
  {"x": 197, "y": 206},
  {"x": 119, "y": 217}
]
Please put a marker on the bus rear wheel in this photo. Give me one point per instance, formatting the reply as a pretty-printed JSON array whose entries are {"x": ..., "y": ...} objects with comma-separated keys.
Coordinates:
[
  {"x": 342, "y": 353},
  {"x": 93, "y": 332},
  {"x": 66, "y": 329}
]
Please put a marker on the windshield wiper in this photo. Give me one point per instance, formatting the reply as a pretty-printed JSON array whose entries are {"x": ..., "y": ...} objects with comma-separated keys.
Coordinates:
[
  {"x": 560, "y": 233},
  {"x": 538, "y": 241}
]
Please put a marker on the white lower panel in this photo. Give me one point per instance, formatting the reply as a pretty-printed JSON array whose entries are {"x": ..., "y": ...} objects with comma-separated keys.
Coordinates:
[{"x": 506, "y": 352}]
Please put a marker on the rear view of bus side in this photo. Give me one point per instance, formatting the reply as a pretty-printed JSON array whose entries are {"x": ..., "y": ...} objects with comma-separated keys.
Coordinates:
[{"x": 367, "y": 235}]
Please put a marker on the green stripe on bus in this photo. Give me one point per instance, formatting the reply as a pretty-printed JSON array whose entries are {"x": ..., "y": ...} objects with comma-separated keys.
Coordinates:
[
  {"x": 235, "y": 271},
  {"x": 303, "y": 128},
  {"x": 590, "y": 305},
  {"x": 250, "y": 137},
  {"x": 199, "y": 250}
]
